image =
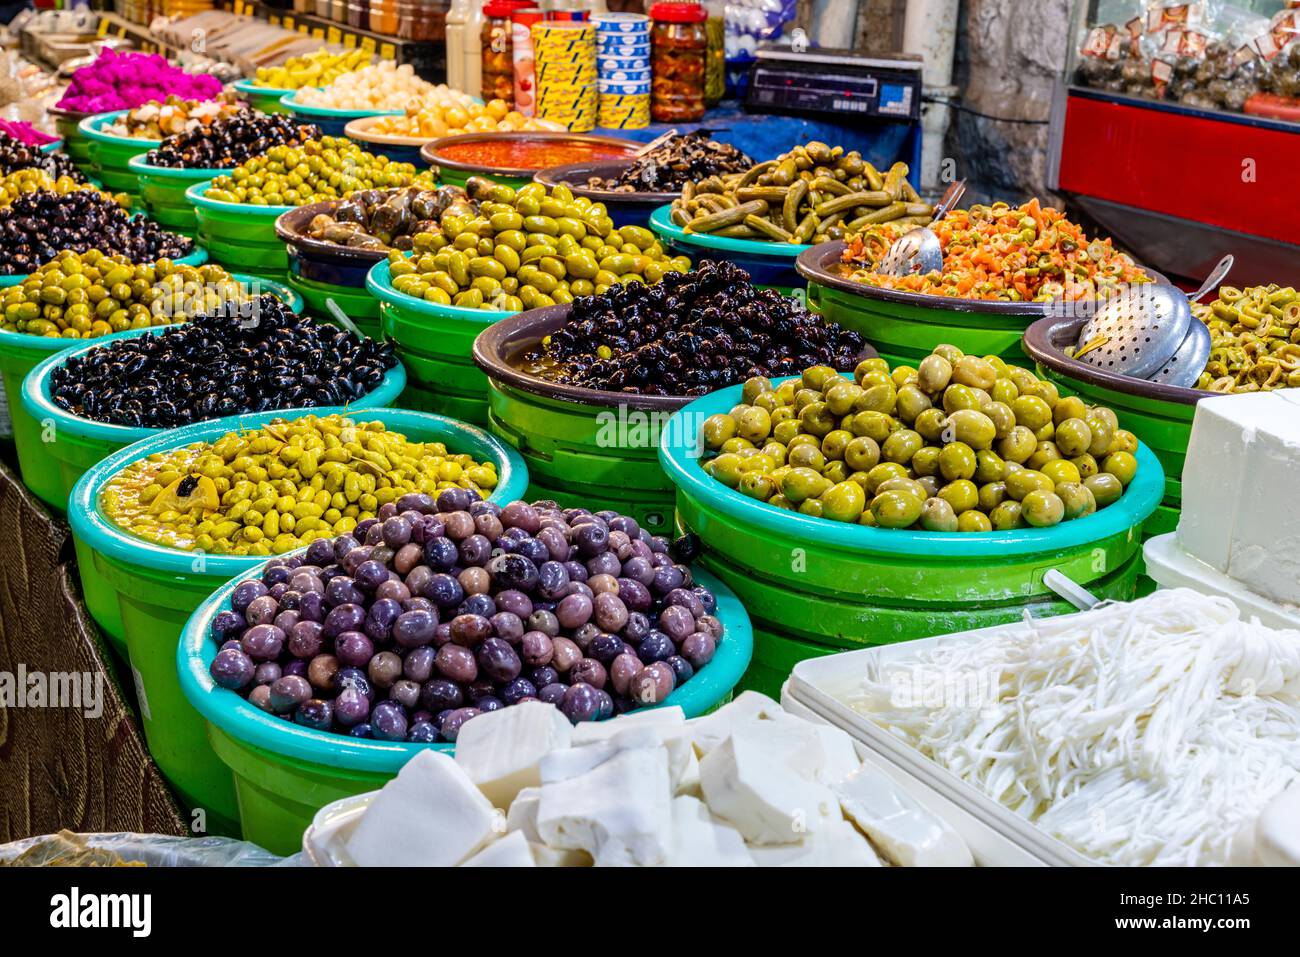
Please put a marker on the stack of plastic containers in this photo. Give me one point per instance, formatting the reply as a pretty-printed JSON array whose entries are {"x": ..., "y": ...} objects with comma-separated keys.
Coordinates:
[
  {"x": 623, "y": 62},
  {"x": 565, "y": 56}
]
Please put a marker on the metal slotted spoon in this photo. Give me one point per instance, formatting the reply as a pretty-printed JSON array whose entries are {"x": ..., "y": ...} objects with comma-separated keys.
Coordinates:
[
  {"x": 1138, "y": 330},
  {"x": 1187, "y": 364},
  {"x": 918, "y": 251}
]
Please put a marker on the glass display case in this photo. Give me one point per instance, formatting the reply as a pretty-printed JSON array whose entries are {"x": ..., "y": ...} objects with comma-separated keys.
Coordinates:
[{"x": 1242, "y": 56}]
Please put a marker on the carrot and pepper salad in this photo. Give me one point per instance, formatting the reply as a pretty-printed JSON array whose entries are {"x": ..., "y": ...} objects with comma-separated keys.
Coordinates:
[{"x": 1028, "y": 253}]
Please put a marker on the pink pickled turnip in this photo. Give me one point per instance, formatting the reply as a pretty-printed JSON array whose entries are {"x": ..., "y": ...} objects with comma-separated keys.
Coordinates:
[{"x": 122, "y": 81}]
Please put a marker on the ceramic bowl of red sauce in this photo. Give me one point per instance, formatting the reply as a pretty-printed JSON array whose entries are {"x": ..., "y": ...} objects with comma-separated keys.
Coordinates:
[{"x": 513, "y": 158}]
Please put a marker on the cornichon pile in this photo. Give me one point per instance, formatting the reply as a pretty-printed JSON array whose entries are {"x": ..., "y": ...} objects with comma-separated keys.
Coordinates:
[
  {"x": 328, "y": 168},
  {"x": 961, "y": 443},
  {"x": 86, "y": 295},
  {"x": 812, "y": 194},
  {"x": 279, "y": 487},
  {"x": 526, "y": 249},
  {"x": 1255, "y": 335}
]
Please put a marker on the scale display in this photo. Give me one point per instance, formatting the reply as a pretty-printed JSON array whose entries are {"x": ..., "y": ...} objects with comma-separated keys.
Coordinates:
[{"x": 825, "y": 82}]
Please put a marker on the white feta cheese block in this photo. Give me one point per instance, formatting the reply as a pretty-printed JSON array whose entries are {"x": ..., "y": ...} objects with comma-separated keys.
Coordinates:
[
  {"x": 589, "y": 732},
  {"x": 545, "y": 856},
  {"x": 430, "y": 815},
  {"x": 838, "y": 844},
  {"x": 905, "y": 832},
  {"x": 501, "y": 750},
  {"x": 1217, "y": 463},
  {"x": 701, "y": 840},
  {"x": 709, "y": 730},
  {"x": 523, "y": 813},
  {"x": 1277, "y": 833},
  {"x": 620, "y": 812},
  {"x": 511, "y": 851},
  {"x": 1265, "y": 540},
  {"x": 749, "y": 782},
  {"x": 574, "y": 762},
  {"x": 839, "y": 756}
]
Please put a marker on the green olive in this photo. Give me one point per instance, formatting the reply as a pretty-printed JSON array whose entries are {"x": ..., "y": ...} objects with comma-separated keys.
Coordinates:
[
  {"x": 1032, "y": 412},
  {"x": 843, "y": 502},
  {"x": 874, "y": 364},
  {"x": 1077, "y": 499},
  {"x": 1102, "y": 433},
  {"x": 902, "y": 484},
  {"x": 1105, "y": 488},
  {"x": 785, "y": 431},
  {"x": 973, "y": 521},
  {"x": 805, "y": 455},
  {"x": 989, "y": 466},
  {"x": 911, "y": 402},
  {"x": 1048, "y": 392},
  {"x": 757, "y": 485},
  {"x": 1086, "y": 464},
  {"x": 926, "y": 461},
  {"x": 903, "y": 375},
  {"x": 938, "y": 516},
  {"x": 930, "y": 483},
  {"x": 873, "y": 425},
  {"x": 754, "y": 387},
  {"x": 1046, "y": 452},
  {"x": 1124, "y": 441},
  {"x": 1004, "y": 420},
  {"x": 1006, "y": 516},
  {"x": 896, "y": 509},
  {"x": 835, "y": 472},
  {"x": 973, "y": 428},
  {"x": 834, "y": 444},
  {"x": 931, "y": 424},
  {"x": 1073, "y": 437},
  {"x": 811, "y": 506},
  {"x": 883, "y": 473},
  {"x": 992, "y": 495},
  {"x": 901, "y": 446},
  {"x": 816, "y": 419},
  {"x": 878, "y": 398},
  {"x": 1042, "y": 509},
  {"x": 975, "y": 372},
  {"x": 1122, "y": 465},
  {"x": 959, "y": 396},
  {"x": 1061, "y": 470},
  {"x": 1021, "y": 483},
  {"x": 949, "y": 352},
  {"x": 1004, "y": 391},
  {"x": 840, "y": 397},
  {"x": 736, "y": 444},
  {"x": 726, "y": 468},
  {"x": 817, "y": 377},
  {"x": 1018, "y": 446},
  {"x": 1070, "y": 407},
  {"x": 957, "y": 461},
  {"x": 961, "y": 495},
  {"x": 933, "y": 374},
  {"x": 862, "y": 454},
  {"x": 800, "y": 484},
  {"x": 754, "y": 424}
]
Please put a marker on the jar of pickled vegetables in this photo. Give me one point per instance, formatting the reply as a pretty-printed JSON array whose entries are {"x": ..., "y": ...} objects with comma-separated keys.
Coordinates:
[
  {"x": 358, "y": 13},
  {"x": 715, "y": 64},
  {"x": 678, "y": 45},
  {"x": 495, "y": 46},
  {"x": 383, "y": 17}
]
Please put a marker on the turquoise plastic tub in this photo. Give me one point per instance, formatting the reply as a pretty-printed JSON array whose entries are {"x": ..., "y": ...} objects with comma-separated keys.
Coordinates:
[
  {"x": 162, "y": 190},
  {"x": 159, "y": 588},
  {"x": 331, "y": 122},
  {"x": 111, "y": 155},
  {"x": 263, "y": 98},
  {"x": 52, "y": 147},
  {"x": 284, "y": 773},
  {"x": 842, "y": 585},
  {"x": 240, "y": 236},
  {"x": 769, "y": 264},
  {"x": 436, "y": 343}
]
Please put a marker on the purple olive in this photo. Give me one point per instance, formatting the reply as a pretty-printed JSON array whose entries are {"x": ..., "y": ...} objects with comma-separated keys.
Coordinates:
[
  {"x": 498, "y": 660},
  {"x": 383, "y": 669},
  {"x": 451, "y": 725},
  {"x": 262, "y": 642},
  {"x": 232, "y": 669},
  {"x": 289, "y": 692},
  {"x": 314, "y": 713},
  {"x": 414, "y": 629},
  {"x": 580, "y": 703},
  {"x": 354, "y": 648},
  {"x": 388, "y": 721},
  {"x": 698, "y": 649}
]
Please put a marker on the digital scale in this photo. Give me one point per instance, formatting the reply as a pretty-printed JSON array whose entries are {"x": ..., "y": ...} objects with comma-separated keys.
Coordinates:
[{"x": 825, "y": 83}]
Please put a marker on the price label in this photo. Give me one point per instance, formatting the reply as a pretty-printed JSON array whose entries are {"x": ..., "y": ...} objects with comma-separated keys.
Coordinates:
[
  {"x": 349, "y": 41},
  {"x": 121, "y": 33},
  {"x": 103, "y": 28},
  {"x": 387, "y": 51},
  {"x": 274, "y": 20},
  {"x": 240, "y": 9},
  {"x": 334, "y": 35},
  {"x": 368, "y": 44},
  {"x": 288, "y": 23},
  {"x": 318, "y": 33}
]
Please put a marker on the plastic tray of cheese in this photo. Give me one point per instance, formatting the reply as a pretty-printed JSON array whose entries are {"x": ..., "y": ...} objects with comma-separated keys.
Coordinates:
[{"x": 823, "y": 685}]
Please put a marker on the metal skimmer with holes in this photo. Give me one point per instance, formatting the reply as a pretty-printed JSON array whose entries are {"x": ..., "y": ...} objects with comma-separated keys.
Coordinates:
[
  {"x": 1137, "y": 330},
  {"x": 1187, "y": 364}
]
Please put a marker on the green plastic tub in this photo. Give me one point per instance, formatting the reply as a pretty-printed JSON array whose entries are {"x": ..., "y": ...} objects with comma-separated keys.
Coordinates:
[
  {"x": 843, "y": 586},
  {"x": 285, "y": 773},
  {"x": 457, "y": 173},
  {"x": 436, "y": 344},
  {"x": 770, "y": 265},
  {"x": 159, "y": 588},
  {"x": 263, "y": 98},
  {"x": 906, "y": 326},
  {"x": 19, "y": 352},
  {"x": 162, "y": 190},
  {"x": 331, "y": 122},
  {"x": 110, "y": 156},
  {"x": 68, "y": 125},
  {"x": 239, "y": 236}
]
